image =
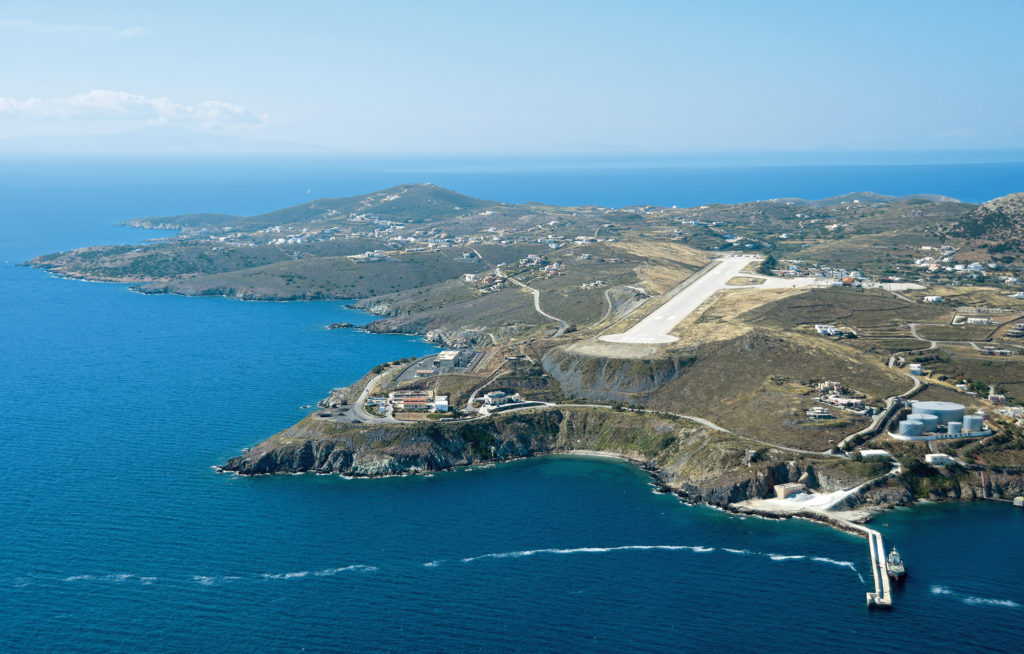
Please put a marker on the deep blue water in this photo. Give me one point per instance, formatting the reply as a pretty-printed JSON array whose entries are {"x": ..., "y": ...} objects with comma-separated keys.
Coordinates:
[{"x": 116, "y": 535}]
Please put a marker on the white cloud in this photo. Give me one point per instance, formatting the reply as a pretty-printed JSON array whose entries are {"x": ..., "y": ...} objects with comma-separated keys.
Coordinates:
[
  {"x": 32, "y": 27},
  {"x": 130, "y": 107}
]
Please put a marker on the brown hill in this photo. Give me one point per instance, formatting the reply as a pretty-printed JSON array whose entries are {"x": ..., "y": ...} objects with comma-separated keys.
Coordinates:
[{"x": 999, "y": 221}]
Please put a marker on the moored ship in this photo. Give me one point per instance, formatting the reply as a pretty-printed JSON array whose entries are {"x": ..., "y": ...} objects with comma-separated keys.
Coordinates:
[{"x": 894, "y": 566}]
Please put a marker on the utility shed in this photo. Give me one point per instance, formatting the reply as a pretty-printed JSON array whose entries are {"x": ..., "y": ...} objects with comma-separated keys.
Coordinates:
[
  {"x": 938, "y": 459},
  {"x": 874, "y": 454},
  {"x": 783, "y": 491}
]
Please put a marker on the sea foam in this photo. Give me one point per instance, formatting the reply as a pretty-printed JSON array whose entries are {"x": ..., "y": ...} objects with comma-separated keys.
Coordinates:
[
  {"x": 587, "y": 550},
  {"x": 974, "y": 600}
]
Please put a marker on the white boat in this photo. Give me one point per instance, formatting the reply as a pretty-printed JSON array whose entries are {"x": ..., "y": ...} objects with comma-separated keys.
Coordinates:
[{"x": 894, "y": 565}]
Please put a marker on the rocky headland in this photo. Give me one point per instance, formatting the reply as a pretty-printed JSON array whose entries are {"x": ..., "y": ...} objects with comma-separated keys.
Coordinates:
[{"x": 690, "y": 460}]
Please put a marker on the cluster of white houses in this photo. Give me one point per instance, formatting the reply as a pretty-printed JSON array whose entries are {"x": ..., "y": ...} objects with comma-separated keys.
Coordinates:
[
  {"x": 834, "y": 394},
  {"x": 412, "y": 401},
  {"x": 416, "y": 400}
]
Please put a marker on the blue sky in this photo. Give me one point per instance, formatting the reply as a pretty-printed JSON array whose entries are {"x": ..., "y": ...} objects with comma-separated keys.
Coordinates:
[{"x": 520, "y": 77}]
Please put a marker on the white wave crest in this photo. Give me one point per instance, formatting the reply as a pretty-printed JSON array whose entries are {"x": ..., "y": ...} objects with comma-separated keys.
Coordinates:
[
  {"x": 79, "y": 578},
  {"x": 431, "y": 564},
  {"x": 732, "y": 551},
  {"x": 786, "y": 557}
]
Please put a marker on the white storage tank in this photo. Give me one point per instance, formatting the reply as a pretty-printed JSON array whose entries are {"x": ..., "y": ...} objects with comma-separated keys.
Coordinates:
[
  {"x": 954, "y": 428},
  {"x": 928, "y": 421},
  {"x": 973, "y": 423},
  {"x": 945, "y": 411},
  {"x": 910, "y": 428}
]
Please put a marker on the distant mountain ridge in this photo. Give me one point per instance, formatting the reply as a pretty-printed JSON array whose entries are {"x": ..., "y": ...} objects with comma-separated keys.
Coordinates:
[
  {"x": 404, "y": 203},
  {"x": 423, "y": 202},
  {"x": 866, "y": 197}
]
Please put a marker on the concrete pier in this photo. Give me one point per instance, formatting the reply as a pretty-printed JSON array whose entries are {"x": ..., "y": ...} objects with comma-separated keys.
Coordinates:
[{"x": 882, "y": 597}]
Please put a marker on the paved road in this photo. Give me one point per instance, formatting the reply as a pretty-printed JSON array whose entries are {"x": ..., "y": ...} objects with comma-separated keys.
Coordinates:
[
  {"x": 358, "y": 409},
  {"x": 536, "y": 302}
]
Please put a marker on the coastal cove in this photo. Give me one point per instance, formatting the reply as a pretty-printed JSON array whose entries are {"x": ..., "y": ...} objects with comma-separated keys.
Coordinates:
[{"x": 117, "y": 405}]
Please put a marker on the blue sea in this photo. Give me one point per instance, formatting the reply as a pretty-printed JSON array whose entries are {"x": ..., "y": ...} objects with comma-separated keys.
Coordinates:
[{"x": 116, "y": 535}]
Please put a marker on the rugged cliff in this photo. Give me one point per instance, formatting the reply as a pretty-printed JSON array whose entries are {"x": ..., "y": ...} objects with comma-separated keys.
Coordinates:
[
  {"x": 696, "y": 463},
  {"x": 601, "y": 378}
]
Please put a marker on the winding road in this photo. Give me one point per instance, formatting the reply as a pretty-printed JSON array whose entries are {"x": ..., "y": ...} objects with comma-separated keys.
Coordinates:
[{"x": 536, "y": 301}]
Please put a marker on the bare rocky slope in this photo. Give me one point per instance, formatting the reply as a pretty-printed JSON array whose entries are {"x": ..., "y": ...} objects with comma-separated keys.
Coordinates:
[
  {"x": 1000, "y": 221},
  {"x": 697, "y": 464}
]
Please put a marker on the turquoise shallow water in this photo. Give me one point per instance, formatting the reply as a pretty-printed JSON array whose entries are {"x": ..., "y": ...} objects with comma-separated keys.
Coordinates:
[{"x": 117, "y": 535}]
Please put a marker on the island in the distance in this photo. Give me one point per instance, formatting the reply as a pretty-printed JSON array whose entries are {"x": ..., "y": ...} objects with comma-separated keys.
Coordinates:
[{"x": 822, "y": 359}]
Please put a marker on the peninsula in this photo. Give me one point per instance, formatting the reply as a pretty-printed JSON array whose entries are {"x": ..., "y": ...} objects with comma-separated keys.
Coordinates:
[{"x": 770, "y": 357}]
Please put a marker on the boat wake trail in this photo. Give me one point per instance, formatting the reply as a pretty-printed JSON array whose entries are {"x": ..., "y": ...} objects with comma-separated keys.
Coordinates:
[
  {"x": 974, "y": 600},
  {"x": 670, "y": 548},
  {"x": 326, "y": 572},
  {"x": 218, "y": 580},
  {"x": 841, "y": 564},
  {"x": 587, "y": 550},
  {"x": 119, "y": 578}
]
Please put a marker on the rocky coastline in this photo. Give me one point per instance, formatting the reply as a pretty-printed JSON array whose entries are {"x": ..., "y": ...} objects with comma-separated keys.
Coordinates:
[{"x": 694, "y": 464}]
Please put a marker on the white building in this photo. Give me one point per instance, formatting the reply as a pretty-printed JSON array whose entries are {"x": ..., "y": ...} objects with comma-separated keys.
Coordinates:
[
  {"x": 818, "y": 413},
  {"x": 938, "y": 459},
  {"x": 933, "y": 298},
  {"x": 830, "y": 387},
  {"x": 845, "y": 402},
  {"x": 441, "y": 404},
  {"x": 1012, "y": 411},
  {"x": 874, "y": 454},
  {"x": 499, "y": 398},
  {"x": 915, "y": 369},
  {"x": 449, "y": 359}
]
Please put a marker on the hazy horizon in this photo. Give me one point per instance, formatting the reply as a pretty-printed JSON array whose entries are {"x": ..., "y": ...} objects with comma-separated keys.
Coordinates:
[{"x": 530, "y": 79}]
